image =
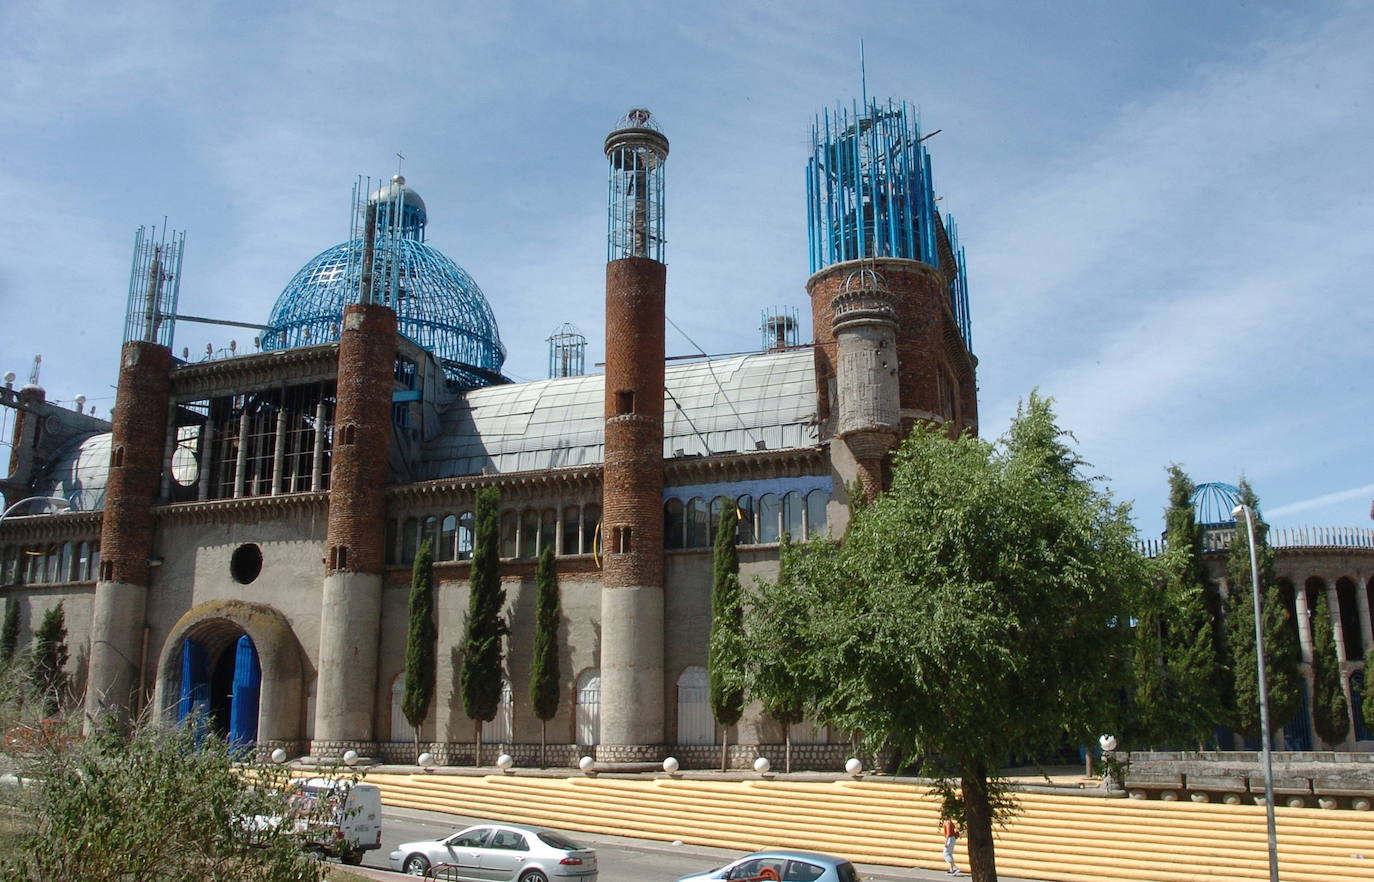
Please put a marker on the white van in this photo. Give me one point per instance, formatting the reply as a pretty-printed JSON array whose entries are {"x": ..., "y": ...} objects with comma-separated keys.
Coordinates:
[{"x": 338, "y": 818}]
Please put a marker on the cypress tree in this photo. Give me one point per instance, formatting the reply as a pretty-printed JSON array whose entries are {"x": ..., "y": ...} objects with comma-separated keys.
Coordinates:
[
  {"x": 727, "y": 616},
  {"x": 1151, "y": 706},
  {"x": 544, "y": 673},
  {"x": 9, "y": 633},
  {"x": 1281, "y": 650},
  {"x": 1193, "y": 654},
  {"x": 1330, "y": 713},
  {"x": 1367, "y": 693},
  {"x": 421, "y": 641},
  {"x": 480, "y": 680},
  {"x": 48, "y": 671}
]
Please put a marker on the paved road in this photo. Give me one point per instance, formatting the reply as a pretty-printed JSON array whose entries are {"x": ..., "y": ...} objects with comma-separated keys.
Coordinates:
[{"x": 619, "y": 859}]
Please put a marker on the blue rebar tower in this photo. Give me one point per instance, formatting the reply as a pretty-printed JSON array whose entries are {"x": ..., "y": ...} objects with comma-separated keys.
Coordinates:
[
  {"x": 869, "y": 193},
  {"x": 154, "y": 281}
]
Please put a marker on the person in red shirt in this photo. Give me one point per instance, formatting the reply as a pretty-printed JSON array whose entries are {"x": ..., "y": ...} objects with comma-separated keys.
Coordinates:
[{"x": 950, "y": 830}]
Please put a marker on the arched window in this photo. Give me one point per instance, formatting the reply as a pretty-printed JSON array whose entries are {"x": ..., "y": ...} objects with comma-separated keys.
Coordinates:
[
  {"x": 745, "y": 508},
  {"x": 410, "y": 540},
  {"x": 548, "y": 530},
  {"x": 695, "y": 725},
  {"x": 815, "y": 514},
  {"x": 1352, "y": 633},
  {"x": 591, "y": 517},
  {"x": 696, "y": 523},
  {"x": 587, "y": 709},
  {"x": 572, "y": 529},
  {"x": 429, "y": 530},
  {"x": 713, "y": 522},
  {"x": 448, "y": 538},
  {"x": 674, "y": 524},
  {"x": 465, "y": 535},
  {"x": 792, "y": 516},
  {"x": 769, "y": 511},
  {"x": 95, "y": 560},
  {"x": 401, "y": 730},
  {"x": 498, "y": 729},
  {"x": 510, "y": 528},
  {"x": 529, "y": 533}
]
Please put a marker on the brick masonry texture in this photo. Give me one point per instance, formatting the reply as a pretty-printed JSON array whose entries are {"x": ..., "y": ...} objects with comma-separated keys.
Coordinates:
[
  {"x": 633, "y": 472},
  {"x": 928, "y": 339},
  {"x": 139, "y": 431},
  {"x": 357, "y": 506}
]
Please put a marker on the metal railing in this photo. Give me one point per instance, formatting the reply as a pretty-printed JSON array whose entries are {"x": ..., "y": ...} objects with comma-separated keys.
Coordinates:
[{"x": 1279, "y": 537}]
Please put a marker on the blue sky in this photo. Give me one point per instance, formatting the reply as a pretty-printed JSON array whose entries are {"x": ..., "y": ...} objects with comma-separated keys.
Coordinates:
[{"x": 1167, "y": 206}]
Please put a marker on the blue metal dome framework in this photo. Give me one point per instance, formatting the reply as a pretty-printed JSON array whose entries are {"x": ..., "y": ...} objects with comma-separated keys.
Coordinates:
[
  {"x": 1213, "y": 503},
  {"x": 437, "y": 304}
]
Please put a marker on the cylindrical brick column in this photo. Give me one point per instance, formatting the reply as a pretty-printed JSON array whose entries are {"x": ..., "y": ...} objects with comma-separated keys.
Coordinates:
[
  {"x": 350, "y": 618},
  {"x": 126, "y": 527},
  {"x": 632, "y": 511}
]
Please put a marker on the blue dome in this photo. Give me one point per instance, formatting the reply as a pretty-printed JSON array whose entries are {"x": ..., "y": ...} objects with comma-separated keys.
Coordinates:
[
  {"x": 1213, "y": 503},
  {"x": 437, "y": 304}
]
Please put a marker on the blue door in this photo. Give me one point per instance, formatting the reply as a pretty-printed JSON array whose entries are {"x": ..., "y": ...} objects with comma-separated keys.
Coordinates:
[
  {"x": 195, "y": 681},
  {"x": 243, "y": 705}
]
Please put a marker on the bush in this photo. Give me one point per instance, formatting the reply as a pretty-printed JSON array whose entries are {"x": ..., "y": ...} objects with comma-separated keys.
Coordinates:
[{"x": 150, "y": 804}]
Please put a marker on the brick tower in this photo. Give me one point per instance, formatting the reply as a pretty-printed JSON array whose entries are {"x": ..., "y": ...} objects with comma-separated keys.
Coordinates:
[
  {"x": 138, "y": 435},
  {"x": 350, "y": 616},
  {"x": 887, "y": 280},
  {"x": 632, "y": 520}
]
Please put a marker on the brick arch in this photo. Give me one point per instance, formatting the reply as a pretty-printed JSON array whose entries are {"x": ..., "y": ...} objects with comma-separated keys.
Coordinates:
[{"x": 279, "y": 652}]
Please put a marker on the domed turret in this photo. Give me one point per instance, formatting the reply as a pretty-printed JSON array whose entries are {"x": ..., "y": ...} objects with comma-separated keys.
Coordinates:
[{"x": 1213, "y": 503}]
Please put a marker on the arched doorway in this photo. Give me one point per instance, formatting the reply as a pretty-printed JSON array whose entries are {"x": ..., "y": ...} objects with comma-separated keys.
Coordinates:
[{"x": 221, "y": 681}]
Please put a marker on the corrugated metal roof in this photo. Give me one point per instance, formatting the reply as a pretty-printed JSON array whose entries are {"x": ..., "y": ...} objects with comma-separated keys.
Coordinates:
[{"x": 729, "y": 404}]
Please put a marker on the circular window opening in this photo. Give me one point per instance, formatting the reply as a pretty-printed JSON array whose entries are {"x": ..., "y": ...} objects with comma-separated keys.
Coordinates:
[{"x": 246, "y": 563}]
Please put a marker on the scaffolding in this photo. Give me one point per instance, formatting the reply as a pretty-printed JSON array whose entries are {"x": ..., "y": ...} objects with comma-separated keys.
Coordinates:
[
  {"x": 870, "y": 193},
  {"x": 637, "y": 150},
  {"x": 154, "y": 281},
  {"x": 780, "y": 328}
]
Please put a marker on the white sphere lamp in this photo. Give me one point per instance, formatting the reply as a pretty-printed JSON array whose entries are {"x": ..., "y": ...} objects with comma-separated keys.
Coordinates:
[
  {"x": 586, "y": 764},
  {"x": 761, "y": 765},
  {"x": 853, "y": 766},
  {"x": 504, "y": 762},
  {"x": 350, "y": 757},
  {"x": 671, "y": 765},
  {"x": 278, "y": 756}
]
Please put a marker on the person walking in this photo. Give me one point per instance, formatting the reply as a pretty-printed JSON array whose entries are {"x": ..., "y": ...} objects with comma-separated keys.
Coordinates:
[{"x": 950, "y": 830}]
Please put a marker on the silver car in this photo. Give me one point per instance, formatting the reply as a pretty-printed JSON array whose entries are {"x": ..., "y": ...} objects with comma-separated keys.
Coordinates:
[
  {"x": 781, "y": 865},
  {"x": 498, "y": 853}
]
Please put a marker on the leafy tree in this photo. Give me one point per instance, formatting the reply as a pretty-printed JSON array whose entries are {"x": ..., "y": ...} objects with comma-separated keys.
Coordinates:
[
  {"x": 975, "y": 611},
  {"x": 480, "y": 680},
  {"x": 1151, "y": 702},
  {"x": 544, "y": 673},
  {"x": 9, "y": 632},
  {"x": 727, "y": 615},
  {"x": 1330, "y": 713},
  {"x": 421, "y": 642},
  {"x": 48, "y": 661},
  {"x": 1281, "y": 650},
  {"x": 158, "y": 804},
  {"x": 773, "y": 671}
]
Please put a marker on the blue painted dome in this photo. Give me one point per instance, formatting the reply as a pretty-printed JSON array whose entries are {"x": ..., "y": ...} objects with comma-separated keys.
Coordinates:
[
  {"x": 438, "y": 305},
  {"x": 1213, "y": 503}
]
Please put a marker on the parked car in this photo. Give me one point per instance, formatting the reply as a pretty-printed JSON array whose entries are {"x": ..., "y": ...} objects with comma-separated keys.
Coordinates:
[
  {"x": 498, "y": 853},
  {"x": 781, "y": 865}
]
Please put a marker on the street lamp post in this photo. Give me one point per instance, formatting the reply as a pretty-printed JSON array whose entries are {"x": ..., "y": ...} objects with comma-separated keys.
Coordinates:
[
  {"x": 1263, "y": 694},
  {"x": 55, "y": 501}
]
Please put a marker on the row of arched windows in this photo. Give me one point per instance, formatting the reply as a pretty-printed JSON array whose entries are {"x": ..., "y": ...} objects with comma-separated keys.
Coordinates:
[
  {"x": 692, "y": 523},
  {"x": 49, "y": 564}
]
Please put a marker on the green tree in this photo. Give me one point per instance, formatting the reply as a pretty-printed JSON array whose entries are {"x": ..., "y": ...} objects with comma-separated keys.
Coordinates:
[
  {"x": 421, "y": 643},
  {"x": 9, "y": 632},
  {"x": 775, "y": 674},
  {"x": 480, "y": 680},
  {"x": 1367, "y": 690},
  {"x": 48, "y": 661},
  {"x": 1192, "y": 650},
  {"x": 1282, "y": 654},
  {"x": 975, "y": 611},
  {"x": 159, "y": 804},
  {"x": 1148, "y": 719},
  {"x": 1330, "y": 713},
  {"x": 544, "y": 673},
  {"x": 727, "y": 614}
]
